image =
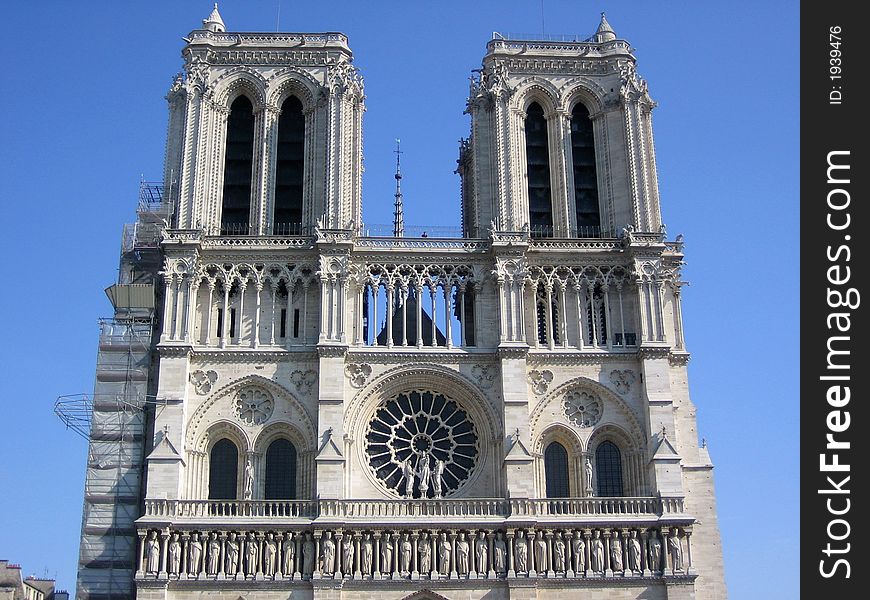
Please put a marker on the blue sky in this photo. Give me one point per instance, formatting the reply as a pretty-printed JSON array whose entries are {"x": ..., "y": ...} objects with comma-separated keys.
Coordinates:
[{"x": 83, "y": 117}]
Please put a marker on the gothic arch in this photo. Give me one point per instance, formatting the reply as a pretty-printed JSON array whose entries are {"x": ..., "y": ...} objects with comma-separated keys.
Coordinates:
[
  {"x": 293, "y": 82},
  {"x": 612, "y": 401},
  {"x": 535, "y": 89},
  {"x": 198, "y": 424},
  {"x": 585, "y": 91},
  {"x": 278, "y": 430},
  {"x": 223, "y": 429},
  {"x": 237, "y": 82}
]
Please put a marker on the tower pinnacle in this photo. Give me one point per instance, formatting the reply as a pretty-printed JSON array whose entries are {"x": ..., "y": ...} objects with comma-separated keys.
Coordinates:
[
  {"x": 605, "y": 32},
  {"x": 398, "y": 209},
  {"x": 214, "y": 22}
]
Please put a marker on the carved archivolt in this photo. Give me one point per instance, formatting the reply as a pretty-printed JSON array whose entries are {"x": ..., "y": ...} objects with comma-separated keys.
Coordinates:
[
  {"x": 235, "y": 82},
  {"x": 285, "y": 408},
  {"x": 583, "y": 404},
  {"x": 294, "y": 82}
]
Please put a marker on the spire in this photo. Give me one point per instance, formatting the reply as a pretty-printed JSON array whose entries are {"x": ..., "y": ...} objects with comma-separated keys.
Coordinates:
[
  {"x": 214, "y": 22},
  {"x": 398, "y": 210},
  {"x": 605, "y": 32}
]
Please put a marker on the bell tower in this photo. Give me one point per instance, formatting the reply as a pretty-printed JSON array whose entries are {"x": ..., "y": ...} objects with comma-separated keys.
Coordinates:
[
  {"x": 265, "y": 133},
  {"x": 561, "y": 140}
]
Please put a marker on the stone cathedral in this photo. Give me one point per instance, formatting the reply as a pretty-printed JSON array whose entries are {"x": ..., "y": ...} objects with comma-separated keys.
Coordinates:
[{"x": 287, "y": 406}]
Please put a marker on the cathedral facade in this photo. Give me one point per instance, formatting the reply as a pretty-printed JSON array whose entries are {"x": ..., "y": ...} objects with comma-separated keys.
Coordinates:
[{"x": 300, "y": 410}]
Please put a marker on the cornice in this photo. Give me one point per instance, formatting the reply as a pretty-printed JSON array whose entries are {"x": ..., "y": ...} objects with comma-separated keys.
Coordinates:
[
  {"x": 243, "y": 355},
  {"x": 577, "y": 357},
  {"x": 412, "y": 354}
]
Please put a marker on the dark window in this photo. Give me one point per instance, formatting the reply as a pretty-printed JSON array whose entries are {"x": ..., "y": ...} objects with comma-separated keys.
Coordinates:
[
  {"x": 289, "y": 171},
  {"x": 540, "y": 308},
  {"x": 585, "y": 177},
  {"x": 232, "y": 322},
  {"x": 220, "y": 322},
  {"x": 283, "y": 322},
  {"x": 223, "y": 471},
  {"x": 538, "y": 165},
  {"x": 608, "y": 468},
  {"x": 280, "y": 471},
  {"x": 296, "y": 322},
  {"x": 556, "y": 470},
  {"x": 238, "y": 168}
]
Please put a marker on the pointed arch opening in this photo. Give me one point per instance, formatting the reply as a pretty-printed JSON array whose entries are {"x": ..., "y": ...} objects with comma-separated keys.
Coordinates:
[
  {"x": 608, "y": 463},
  {"x": 238, "y": 168},
  {"x": 289, "y": 171},
  {"x": 223, "y": 470},
  {"x": 538, "y": 172},
  {"x": 280, "y": 470},
  {"x": 587, "y": 211},
  {"x": 556, "y": 471}
]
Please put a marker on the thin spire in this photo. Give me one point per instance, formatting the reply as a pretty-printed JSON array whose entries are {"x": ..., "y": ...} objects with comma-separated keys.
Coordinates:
[
  {"x": 605, "y": 32},
  {"x": 214, "y": 22},
  {"x": 398, "y": 210}
]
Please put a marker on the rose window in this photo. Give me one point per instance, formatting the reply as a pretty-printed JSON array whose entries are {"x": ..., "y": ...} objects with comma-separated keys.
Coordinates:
[
  {"x": 421, "y": 444},
  {"x": 254, "y": 405},
  {"x": 582, "y": 409}
]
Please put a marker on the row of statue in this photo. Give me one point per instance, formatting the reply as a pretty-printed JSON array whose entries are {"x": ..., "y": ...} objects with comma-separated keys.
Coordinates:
[{"x": 382, "y": 555}]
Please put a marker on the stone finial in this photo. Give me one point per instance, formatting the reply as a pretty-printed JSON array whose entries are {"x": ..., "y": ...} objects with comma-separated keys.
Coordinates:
[
  {"x": 214, "y": 22},
  {"x": 605, "y": 32}
]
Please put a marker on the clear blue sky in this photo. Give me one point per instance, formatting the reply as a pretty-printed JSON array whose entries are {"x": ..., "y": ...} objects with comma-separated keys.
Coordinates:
[{"x": 82, "y": 116}]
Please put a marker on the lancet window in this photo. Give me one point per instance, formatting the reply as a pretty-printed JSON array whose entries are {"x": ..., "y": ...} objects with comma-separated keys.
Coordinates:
[
  {"x": 238, "y": 168},
  {"x": 556, "y": 470},
  {"x": 223, "y": 471},
  {"x": 538, "y": 172},
  {"x": 289, "y": 172},
  {"x": 608, "y": 465},
  {"x": 280, "y": 471},
  {"x": 587, "y": 217}
]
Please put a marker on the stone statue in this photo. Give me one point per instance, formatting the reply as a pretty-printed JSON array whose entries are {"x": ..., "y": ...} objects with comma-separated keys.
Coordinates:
[
  {"x": 270, "y": 553},
  {"x": 386, "y": 554},
  {"x": 521, "y": 552},
  {"x": 424, "y": 472},
  {"x": 634, "y": 552},
  {"x": 174, "y": 555},
  {"x": 424, "y": 554},
  {"x": 616, "y": 553},
  {"x": 444, "y": 551},
  {"x": 249, "y": 480},
  {"x": 540, "y": 553},
  {"x": 194, "y": 554},
  {"x": 655, "y": 552},
  {"x": 308, "y": 551},
  {"x": 589, "y": 474},
  {"x": 214, "y": 555},
  {"x": 232, "y": 553},
  {"x": 366, "y": 555},
  {"x": 500, "y": 551},
  {"x": 578, "y": 549},
  {"x": 407, "y": 548},
  {"x": 252, "y": 553},
  {"x": 675, "y": 550},
  {"x": 347, "y": 557},
  {"x": 462, "y": 555},
  {"x": 288, "y": 549},
  {"x": 328, "y": 554},
  {"x": 408, "y": 472},
  {"x": 437, "y": 473},
  {"x": 152, "y": 553},
  {"x": 558, "y": 554},
  {"x": 596, "y": 548},
  {"x": 482, "y": 553}
]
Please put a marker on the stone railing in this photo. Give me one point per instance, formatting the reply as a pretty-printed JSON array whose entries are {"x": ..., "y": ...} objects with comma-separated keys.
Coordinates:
[
  {"x": 400, "y": 510},
  {"x": 428, "y": 553}
]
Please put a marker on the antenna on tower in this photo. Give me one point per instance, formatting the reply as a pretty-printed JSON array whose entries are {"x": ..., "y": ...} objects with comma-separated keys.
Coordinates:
[
  {"x": 398, "y": 209},
  {"x": 278, "y": 18}
]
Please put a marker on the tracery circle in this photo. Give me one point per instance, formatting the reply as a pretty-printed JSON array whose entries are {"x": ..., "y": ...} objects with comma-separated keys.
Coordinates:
[
  {"x": 416, "y": 425},
  {"x": 254, "y": 405},
  {"x": 582, "y": 409}
]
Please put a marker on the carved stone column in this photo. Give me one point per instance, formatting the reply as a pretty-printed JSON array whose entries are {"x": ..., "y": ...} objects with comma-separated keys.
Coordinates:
[
  {"x": 164, "y": 547},
  {"x": 666, "y": 562},
  {"x": 140, "y": 572},
  {"x": 452, "y": 537},
  {"x": 357, "y": 557},
  {"x": 509, "y": 536},
  {"x": 587, "y": 535},
  {"x": 608, "y": 571},
  {"x": 376, "y": 557},
  {"x": 415, "y": 536}
]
